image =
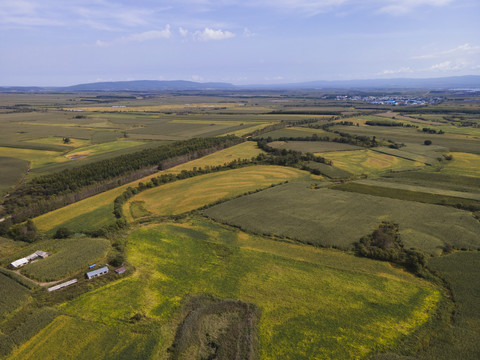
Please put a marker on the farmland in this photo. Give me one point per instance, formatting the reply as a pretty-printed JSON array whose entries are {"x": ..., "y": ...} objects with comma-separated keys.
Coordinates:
[
  {"x": 275, "y": 276},
  {"x": 68, "y": 256},
  {"x": 313, "y": 217},
  {"x": 186, "y": 195},
  {"x": 12, "y": 171},
  {"x": 242, "y": 252},
  {"x": 367, "y": 161}
]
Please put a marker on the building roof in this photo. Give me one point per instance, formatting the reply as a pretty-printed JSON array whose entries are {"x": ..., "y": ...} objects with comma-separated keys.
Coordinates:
[
  {"x": 100, "y": 271},
  {"x": 121, "y": 270},
  {"x": 62, "y": 285},
  {"x": 19, "y": 262},
  {"x": 42, "y": 253}
]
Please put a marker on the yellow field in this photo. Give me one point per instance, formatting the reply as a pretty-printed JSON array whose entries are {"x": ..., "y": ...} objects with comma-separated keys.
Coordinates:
[
  {"x": 367, "y": 162},
  {"x": 463, "y": 164},
  {"x": 245, "y": 150},
  {"x": 102, "y": 148},
  {"x": 186, "y": 195}
]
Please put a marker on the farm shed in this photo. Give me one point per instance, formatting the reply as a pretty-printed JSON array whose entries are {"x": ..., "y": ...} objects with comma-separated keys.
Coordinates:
[
  {"x": 121, "y": 270},
  {"x": 98, "y": 272},
  {"x": 19, "y": 263},
  {"x": 62, "y": 285},
  {"x": 42, "y": 254}
]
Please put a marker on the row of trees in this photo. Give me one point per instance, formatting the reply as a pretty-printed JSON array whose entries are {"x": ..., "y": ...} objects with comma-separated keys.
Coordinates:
[{"x": 49, "y": 192}]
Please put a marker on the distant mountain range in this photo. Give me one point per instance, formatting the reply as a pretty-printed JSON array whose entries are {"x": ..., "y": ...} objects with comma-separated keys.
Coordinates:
[{"x": 453, "y": 82}]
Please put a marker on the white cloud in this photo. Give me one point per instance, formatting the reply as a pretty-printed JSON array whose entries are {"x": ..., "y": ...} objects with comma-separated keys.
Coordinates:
[
  {"x": 402, "y": 7},
  {"x": 465, "y": 49},
  {"x": 446, "y": 66},
  {"x": 183, "y": 32},
  {"x": 248, "y": 33},
  {"x": 211, "y": 34},
  {"x": 139, "y": 37},
  {"x": 402, "y": 70}
]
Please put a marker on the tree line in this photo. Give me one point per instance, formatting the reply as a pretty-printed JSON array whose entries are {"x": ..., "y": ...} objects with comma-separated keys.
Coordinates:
[{"x": 49, "y": 192}]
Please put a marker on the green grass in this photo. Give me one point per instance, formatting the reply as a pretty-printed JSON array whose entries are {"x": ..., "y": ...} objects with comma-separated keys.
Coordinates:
[
  {"x": 367, "y": 161},
  {"x": 22, "y": 326},
  {"x": 67, "y": 257},
  {"x": 312, "y": 303},
  {"x": 12, "y": 295},
  {"x": 460, "y": 341},
  {"x": 336, "y": 218},
  {"x": 189, "y": 194},
  {"x": 312, "y": 146}
]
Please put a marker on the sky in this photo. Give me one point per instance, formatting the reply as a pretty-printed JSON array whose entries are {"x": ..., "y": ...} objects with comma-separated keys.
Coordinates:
[{"x": 68, "y": 42}]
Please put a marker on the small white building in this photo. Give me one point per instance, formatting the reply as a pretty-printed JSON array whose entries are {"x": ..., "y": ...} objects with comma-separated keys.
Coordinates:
[
  {"x": 19, "y": 263},
  {"x": 62, "y": 285},
  {"x": 98, "y": 272}
]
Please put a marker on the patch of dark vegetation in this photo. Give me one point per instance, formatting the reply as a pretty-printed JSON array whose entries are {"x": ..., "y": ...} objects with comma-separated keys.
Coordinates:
[
  {"x": 216, "y": 329},
  {"x": 385, "y": 244}
]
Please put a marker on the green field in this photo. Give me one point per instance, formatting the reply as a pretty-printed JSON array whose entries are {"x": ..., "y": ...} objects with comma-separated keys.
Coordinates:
[
  {"x": 186, "y": 195},
  {"x": 67, "y": 257},
  {"x": 452, "y": 142},
  {"x": 12, "y": 170},
  {"x": 312, "y": 303},
  {"x": 312, "y": 146},
  {"x": 460, "y": 341},
  {"x": 37, "y": 158},
  {"x": 335, "y": 218},
  {"x": 12, "y": 295},
  {"x": 368, "y": 162}
]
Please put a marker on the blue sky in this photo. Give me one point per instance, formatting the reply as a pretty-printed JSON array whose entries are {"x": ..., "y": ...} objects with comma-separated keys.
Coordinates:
[{"x": 60, "y": 42}]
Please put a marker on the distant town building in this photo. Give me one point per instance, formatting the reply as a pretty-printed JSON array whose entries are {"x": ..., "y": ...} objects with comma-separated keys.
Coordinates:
[{"x": 98, "y": 272}]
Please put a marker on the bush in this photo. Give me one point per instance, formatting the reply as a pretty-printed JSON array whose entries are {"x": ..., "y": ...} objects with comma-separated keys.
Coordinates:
[
  {"x": 62, "y": 233},
  {"x": 427, "y": 142}
]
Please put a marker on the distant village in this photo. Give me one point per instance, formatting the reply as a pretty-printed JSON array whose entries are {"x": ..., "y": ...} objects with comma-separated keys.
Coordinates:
[{"x": 392, "y": 100}]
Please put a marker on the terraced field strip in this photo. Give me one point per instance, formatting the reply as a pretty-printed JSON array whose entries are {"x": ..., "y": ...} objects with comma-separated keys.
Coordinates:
[
  {"x": 422, "y": 189},
  {"x": 312, "y": 302},
  {"x": 189, "y": 194},
  {"x": 102, "y": 148},
  {"x": 245, "y": 150},
  {"x": 367, "y": 161},
  {"x": 404, "y": 155},
  {"x": 313, "y": 146},
  {"x": 335, "y": 218}
]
